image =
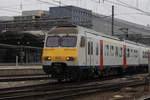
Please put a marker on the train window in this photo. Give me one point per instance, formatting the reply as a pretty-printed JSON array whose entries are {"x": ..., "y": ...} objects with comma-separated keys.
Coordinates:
[
  {"x": 107, "y": 46},
  {"x": 97, "y": 49},
  {"x": 143, "y": 54},
  {"x": 136, "y": 53},
  {"x": 116, "y": 51},
  {"x": 120, "y": 51},
  {"x": 131, "y": 52},
  {"x": 147, "y": 54},
  {"x": 89, "y": 48},
  {"x": 106, "y": 50},
  {"x": 82, "y": 43},
  {"x": 112, "y": 50},
  {"x": 128, "y": 52}
]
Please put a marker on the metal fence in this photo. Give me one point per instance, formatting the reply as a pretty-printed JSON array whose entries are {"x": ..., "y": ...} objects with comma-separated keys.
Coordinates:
[{"x": 19, "y": 55}]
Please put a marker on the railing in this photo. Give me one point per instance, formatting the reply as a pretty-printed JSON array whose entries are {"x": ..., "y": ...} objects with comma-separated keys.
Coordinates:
[{"x": 36, "y": 24}]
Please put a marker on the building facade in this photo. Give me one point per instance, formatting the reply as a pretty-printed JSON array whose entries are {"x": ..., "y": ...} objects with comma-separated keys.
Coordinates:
[
  {"x": 75, "y": 15},
  {"x": 101, "y": 23}
]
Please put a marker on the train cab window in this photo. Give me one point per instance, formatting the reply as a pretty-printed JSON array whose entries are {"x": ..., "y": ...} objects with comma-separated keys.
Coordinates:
[
  {"x": 52, "y": 41},
  {"x": 82, "y": 43},
  {"x": 64, "y": 41}
]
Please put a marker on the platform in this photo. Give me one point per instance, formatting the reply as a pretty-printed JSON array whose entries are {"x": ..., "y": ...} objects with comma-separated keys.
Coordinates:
[
  {"x": 21, "y": 70},
  {"x": 21, "y": 67}
]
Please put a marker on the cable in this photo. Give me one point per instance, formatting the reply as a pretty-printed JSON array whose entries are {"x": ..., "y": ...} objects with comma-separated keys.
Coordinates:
[
  {"x": 8, "y": 10},
  {"x": 59, "y": 2},
  {"x": 45, "y": 2},
  {"x": 128, "y": 6}
]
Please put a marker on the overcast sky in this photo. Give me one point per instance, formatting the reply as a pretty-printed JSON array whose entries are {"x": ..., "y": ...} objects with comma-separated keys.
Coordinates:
[{"x": 124, "y": 9}]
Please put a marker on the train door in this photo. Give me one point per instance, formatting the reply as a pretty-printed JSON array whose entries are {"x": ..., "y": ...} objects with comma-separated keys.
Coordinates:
[
  {"x": 125, "y": 56},
  {"x": 90, "y": 57}
]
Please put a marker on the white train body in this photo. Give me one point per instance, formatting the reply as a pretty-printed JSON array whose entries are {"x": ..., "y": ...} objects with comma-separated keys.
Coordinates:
[{"x": 93, "y": 52}]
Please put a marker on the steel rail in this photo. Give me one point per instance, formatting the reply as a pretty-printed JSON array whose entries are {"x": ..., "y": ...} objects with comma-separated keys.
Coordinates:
[
  {"x": 68, "y": 91},
  {"x": 23, "y": 78}
]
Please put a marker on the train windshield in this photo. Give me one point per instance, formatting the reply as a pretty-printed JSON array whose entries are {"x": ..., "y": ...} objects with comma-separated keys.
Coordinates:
[
  {"x": 68, "y": 41},
  {"x": 64, "y": 41},
  {"x": 53, "y": 41}
]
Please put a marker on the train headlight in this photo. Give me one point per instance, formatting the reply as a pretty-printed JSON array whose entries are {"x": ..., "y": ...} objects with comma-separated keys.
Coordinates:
[
  {"x": 47, "y": 58},
  {"x": 69, "y": 58}
]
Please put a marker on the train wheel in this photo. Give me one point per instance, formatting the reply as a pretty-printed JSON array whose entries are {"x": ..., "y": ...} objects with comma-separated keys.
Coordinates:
[{"x": 59, "y": 80}]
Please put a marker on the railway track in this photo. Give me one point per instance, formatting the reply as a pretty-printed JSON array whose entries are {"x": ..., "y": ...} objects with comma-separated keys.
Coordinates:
[
  {"x": 56, "y": 91},
  {"x": 23, "y": 78}
]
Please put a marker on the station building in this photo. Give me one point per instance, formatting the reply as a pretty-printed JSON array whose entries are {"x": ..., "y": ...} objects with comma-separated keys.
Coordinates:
[
  {"x": 20, "y": 47},
  {"x": 102, "y": 23}
]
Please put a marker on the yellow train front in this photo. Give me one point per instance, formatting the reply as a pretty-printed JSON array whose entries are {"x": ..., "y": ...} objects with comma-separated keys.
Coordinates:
[{"x": 60, "y": 53}]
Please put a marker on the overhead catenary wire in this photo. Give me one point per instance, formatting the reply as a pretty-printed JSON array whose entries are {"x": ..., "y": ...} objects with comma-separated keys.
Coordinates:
[
  {"x": 49, "y": 3},
  {"x": 128, "y": 6},
  {"x": 54, "y": 4},
  {"x": 121, "y": 3},
  {"x": 10, "y": 10}
]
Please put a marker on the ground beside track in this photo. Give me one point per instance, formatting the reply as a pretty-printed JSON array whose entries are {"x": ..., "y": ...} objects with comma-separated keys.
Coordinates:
[
  {"x": 9, "y": 72},
  {"x": 21, "y": 83},
  {"x": 123, "y": 94},
  {"x": 127, "y": 93}
]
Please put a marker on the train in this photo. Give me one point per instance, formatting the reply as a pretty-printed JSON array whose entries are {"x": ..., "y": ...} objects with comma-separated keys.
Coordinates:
[{"x": 75, "y": 52}]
